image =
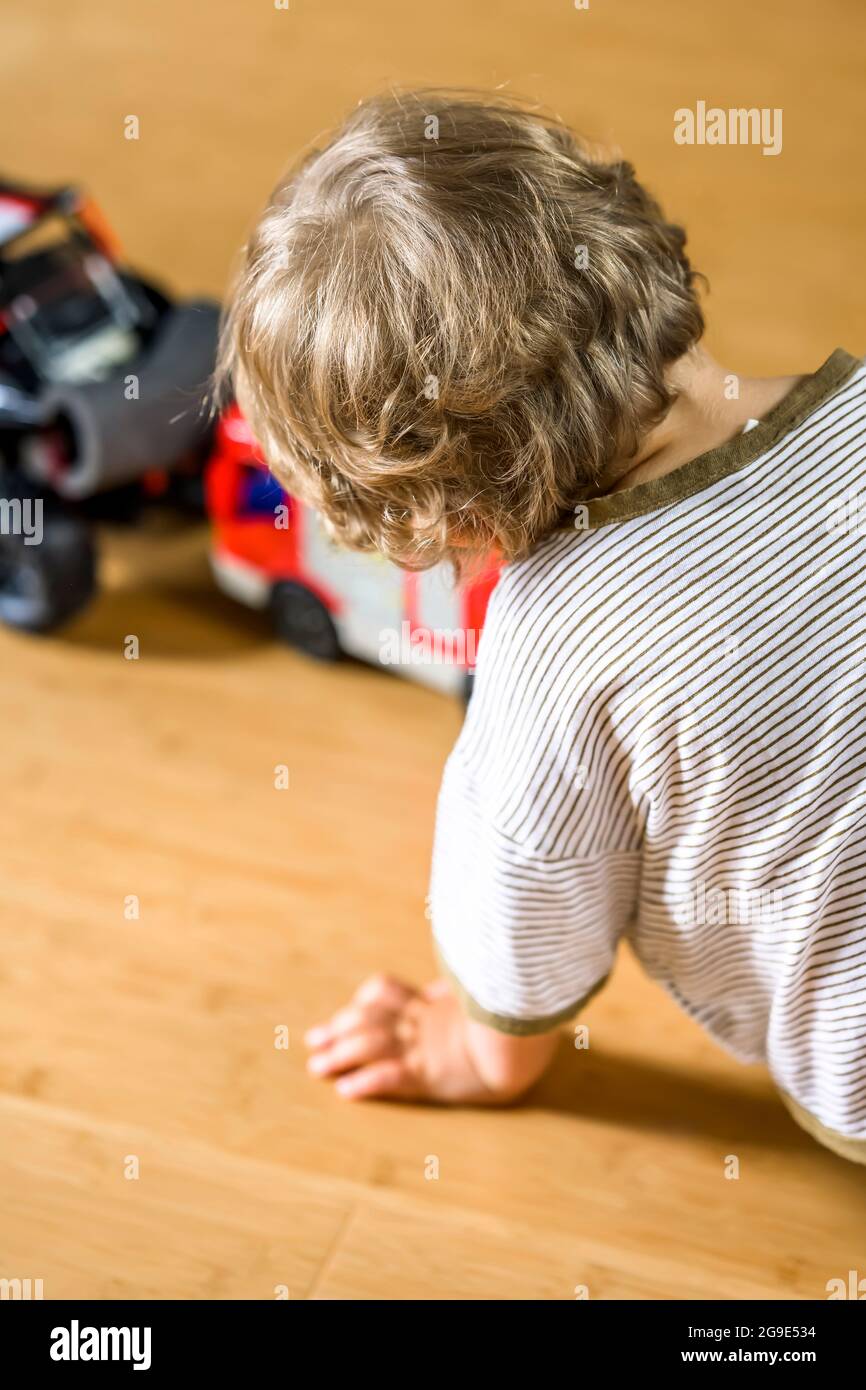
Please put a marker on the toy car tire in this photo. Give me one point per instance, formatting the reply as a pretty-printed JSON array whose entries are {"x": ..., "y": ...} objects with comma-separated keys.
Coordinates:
[
  {"x": 303, "y": 621},
  {"x": 43, "y": 586},
  {"x": 111, "y": 442}
]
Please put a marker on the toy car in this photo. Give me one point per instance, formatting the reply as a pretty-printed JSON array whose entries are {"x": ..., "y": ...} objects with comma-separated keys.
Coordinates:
[
  {"x": 101, "y": 386},
  {"x": 270, "y": 551}
]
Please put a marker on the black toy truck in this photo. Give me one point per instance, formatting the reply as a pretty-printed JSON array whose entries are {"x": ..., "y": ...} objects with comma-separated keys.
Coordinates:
[{"x": 103, "y": 386}]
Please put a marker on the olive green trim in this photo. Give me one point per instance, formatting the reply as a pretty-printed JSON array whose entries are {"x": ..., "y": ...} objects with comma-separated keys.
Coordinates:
[
  {"x": 853, "y": 1149},
  {"x": 708, "y": 468},
  {"x": 503, "y": 1023}
]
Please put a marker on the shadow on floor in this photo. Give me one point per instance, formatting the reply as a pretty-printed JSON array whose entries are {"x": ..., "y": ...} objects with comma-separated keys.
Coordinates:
[
  {"x": 622, "y": 1090},
  {"x": 172, "y": 619},
  {"x": 156, "y": 583}
]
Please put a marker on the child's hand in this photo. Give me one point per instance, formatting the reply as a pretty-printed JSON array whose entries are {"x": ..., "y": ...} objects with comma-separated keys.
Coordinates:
[{"x": 397, "y": 1041}]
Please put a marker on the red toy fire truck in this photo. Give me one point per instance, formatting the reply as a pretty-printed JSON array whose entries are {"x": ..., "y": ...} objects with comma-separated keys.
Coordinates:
[{"x": 269, "y": 550}]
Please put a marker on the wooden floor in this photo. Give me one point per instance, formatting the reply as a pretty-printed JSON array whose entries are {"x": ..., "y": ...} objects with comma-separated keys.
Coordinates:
[{"x": 154, "y": 1039}]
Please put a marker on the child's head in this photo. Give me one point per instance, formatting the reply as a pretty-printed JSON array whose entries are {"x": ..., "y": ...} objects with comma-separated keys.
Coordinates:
[{"x": 450, "y": 320}]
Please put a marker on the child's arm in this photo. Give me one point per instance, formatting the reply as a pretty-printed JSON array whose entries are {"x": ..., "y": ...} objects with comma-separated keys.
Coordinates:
[{"x": 394, "y": 1040}]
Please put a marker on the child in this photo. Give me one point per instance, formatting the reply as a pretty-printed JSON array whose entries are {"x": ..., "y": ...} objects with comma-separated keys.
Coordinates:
[{"x": 457, "y": 331}]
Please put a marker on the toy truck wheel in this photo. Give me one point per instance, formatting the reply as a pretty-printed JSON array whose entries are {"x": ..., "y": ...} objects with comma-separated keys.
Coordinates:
[
  {"x": 44, "y": 585},
  {"x": 303, "y": 621},
  {"x": 111, "y": 440}
]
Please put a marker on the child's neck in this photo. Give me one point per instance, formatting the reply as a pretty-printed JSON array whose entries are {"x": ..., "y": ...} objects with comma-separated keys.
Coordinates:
[{"x": 702, "y": 417}]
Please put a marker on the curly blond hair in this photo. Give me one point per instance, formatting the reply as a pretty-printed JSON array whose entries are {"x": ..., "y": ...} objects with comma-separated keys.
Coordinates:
[{"x": 450, "y": 320}]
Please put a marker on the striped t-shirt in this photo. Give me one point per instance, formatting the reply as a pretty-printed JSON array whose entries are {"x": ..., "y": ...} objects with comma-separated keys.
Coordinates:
[{"x": 667, "y": 745}]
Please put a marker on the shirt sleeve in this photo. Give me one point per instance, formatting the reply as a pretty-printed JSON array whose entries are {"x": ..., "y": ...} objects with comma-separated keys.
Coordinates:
[{"x": 537, "y": 848}]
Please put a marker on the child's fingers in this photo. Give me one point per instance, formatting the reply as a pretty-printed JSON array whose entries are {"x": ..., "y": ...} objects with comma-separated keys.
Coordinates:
[
  {"x": 388, "y": 1078},
  {"x": 384, "y": 990},
  {"x": 436, "y": 988},
  {"x": 353, "y": 1051},
  {"x": 347, "y": 1020},
  {"x": 377, "y": 998}
]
